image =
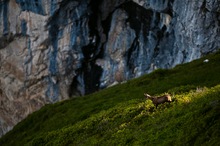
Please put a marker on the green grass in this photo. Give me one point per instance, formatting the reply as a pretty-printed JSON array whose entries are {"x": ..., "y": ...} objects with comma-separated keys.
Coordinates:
[{"x": 121, "y": 116}]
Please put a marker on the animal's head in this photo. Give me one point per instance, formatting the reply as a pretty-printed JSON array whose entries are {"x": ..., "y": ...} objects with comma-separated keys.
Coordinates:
[{"x": 147, "y": 95}]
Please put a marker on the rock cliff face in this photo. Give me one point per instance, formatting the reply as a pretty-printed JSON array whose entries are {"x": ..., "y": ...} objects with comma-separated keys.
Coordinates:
[{"x": 51, "y": 50}]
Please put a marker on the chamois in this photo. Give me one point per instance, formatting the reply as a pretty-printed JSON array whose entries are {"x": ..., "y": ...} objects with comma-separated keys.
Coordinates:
[{"x": 158, "y": 100}]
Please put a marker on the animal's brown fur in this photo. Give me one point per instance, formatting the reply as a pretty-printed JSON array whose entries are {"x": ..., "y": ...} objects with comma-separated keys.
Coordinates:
[{"x": 159, "y": 100}]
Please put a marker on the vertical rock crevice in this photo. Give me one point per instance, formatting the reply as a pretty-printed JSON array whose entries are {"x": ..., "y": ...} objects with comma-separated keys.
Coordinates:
[{"x": 4, "y": 12}]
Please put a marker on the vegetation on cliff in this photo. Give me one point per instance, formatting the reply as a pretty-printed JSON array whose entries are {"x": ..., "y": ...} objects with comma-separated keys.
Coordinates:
[{"x": 120, "y": 115}]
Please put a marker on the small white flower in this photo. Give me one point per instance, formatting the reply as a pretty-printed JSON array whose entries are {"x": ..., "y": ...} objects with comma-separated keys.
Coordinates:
[{"x": 206, "y": 60}]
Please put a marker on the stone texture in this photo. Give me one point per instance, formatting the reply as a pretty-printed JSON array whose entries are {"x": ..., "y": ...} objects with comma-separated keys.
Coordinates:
[{"x": 52, "y": 50}]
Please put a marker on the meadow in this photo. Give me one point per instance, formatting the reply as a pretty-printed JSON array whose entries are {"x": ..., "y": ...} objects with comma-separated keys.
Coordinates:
[{"x": 120, "y": 115}]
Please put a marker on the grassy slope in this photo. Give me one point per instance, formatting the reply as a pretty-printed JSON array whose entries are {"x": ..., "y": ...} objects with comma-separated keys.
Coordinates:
[{"x": 121, "y": 116}]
